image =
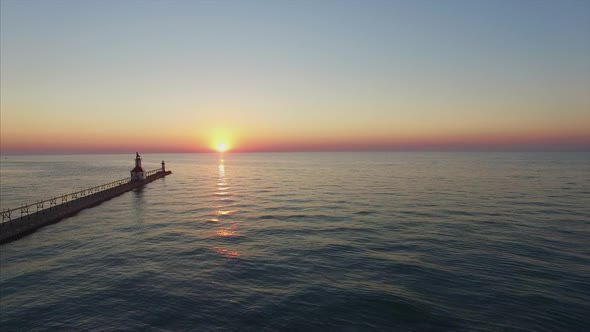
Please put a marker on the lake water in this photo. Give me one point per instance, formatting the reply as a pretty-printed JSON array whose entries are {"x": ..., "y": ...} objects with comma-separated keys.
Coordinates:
[{"x": 305, "y": 241}]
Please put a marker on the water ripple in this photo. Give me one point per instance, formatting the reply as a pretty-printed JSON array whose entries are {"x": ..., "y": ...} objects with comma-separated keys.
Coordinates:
[{"x": 343, "y": 242}]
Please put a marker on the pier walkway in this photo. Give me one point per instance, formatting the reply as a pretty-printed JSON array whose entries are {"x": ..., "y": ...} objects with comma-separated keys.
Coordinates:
[{"x": 26, "y": 219}]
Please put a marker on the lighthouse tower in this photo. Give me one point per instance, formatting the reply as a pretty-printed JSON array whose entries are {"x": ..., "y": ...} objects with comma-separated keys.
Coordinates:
[
  {"x": 163, "y": 166},
  {"x": 137, "y": 173}
]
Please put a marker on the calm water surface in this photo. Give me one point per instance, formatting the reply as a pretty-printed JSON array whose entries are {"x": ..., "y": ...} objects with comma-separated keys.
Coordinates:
[{"x": 306, "y": 241}]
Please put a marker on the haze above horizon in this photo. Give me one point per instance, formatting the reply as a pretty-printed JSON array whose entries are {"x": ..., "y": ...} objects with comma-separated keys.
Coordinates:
[{"x": 187, "y": 76}]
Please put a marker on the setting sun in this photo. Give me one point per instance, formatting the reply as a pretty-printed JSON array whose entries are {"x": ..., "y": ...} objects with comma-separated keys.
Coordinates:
[{"x": 221, "y": 147}]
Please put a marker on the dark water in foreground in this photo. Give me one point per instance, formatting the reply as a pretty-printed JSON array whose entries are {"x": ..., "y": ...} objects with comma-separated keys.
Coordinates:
[{"x": 341, "y": 241}]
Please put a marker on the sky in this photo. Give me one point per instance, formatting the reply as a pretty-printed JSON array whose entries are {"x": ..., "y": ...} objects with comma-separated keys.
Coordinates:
[{"x": 184, "y": 76}]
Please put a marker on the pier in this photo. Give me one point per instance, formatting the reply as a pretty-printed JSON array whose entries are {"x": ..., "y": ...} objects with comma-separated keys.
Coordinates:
[{"x": 26, "y": 219}]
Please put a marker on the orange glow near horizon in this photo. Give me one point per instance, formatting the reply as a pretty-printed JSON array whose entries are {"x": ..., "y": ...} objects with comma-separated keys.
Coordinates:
[
  {"x": 220, "y": 139},
  {"x": 268, "y": 140}
]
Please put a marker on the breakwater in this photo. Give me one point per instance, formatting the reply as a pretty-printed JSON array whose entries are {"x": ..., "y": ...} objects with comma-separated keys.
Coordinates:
[{"x": 26, "y": 219}]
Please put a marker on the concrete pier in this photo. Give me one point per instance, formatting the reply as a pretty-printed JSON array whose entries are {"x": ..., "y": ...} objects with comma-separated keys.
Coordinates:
[{"x": 14, "y": 228}]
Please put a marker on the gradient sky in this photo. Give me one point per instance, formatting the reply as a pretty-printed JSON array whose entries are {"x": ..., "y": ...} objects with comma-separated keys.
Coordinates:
[{"x": 177, "y": 76}]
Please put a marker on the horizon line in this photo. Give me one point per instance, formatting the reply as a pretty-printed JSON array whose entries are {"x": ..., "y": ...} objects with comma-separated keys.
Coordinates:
[{"x": 474, "y": 150}]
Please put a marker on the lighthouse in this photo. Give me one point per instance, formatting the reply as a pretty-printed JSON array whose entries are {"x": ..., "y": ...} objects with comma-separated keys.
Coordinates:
[
  {"x": 163, "y": 166},
  {"x": 137, "y": 173}
]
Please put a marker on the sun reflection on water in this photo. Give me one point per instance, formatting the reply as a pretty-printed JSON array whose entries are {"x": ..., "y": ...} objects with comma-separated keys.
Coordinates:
[
  {"x": 226, "y": 252},
  {"x": 221, "y": 169},
  {"x": 224, "y": 212},
  {"x": 227, "y": 231}
]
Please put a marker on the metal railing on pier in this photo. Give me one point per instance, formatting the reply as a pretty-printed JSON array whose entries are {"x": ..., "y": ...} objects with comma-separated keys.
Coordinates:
[
  {"x": 152, "y": 172},
  {"x": 25, "y": 210}
]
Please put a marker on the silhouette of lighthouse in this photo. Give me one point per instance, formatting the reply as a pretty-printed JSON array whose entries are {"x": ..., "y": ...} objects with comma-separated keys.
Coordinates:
[{"x": 137, "y": 173}]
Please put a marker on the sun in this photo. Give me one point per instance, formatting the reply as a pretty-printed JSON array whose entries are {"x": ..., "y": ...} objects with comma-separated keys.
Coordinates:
[{"x": 221, "y": 147}]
